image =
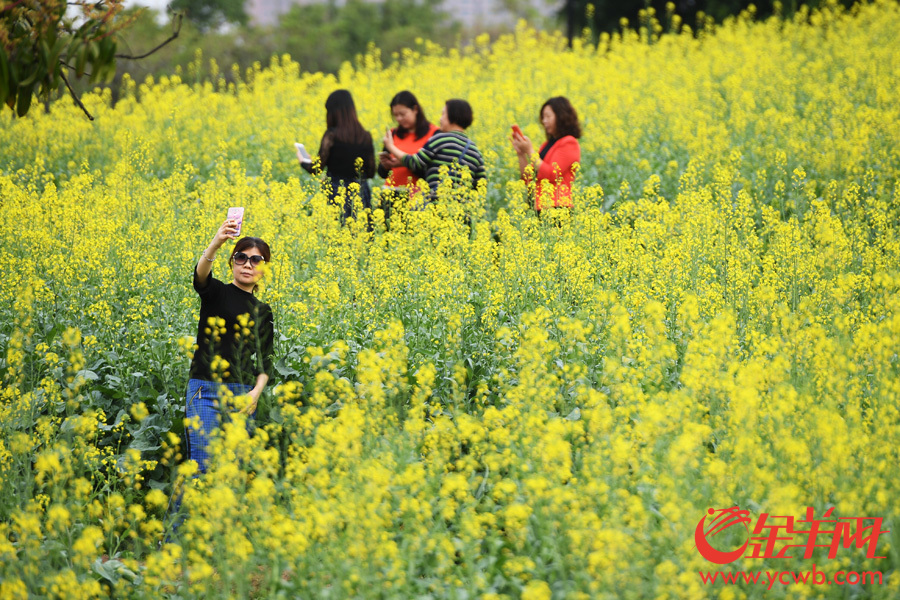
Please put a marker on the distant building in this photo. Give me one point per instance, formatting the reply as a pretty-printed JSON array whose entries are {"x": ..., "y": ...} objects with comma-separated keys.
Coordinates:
[
  {"x": 472, "y": 14},
  {"x": 266, "y": 12},
  {"x": 481, "y": 14}
]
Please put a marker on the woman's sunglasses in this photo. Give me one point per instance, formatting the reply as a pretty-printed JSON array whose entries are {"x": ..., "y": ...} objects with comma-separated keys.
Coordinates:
[{"x": 240, "y": 258}]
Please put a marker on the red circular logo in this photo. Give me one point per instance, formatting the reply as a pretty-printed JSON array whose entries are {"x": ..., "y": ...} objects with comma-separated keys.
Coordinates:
[{"x": 726, "y": 518}]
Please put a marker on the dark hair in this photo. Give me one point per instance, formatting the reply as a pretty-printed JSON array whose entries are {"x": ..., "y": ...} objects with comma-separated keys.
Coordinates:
[
  {"x": 340, "y": 118},
  {"x": 407, "y": 99},
  {"x": 246, "y": 243},
  {"x": 566, "y": 117},
  {"x": 459, "y": 112}
]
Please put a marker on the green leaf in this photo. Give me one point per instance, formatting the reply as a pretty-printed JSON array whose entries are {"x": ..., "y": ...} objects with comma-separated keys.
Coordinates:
[
  {"x": 4, "y": 76},
  {"x": 575, "y": 415},
  {"x": 145, "y": 444},
  {"x": 158, "y": 485},
  {"x": 116, "y": 423},
  {"x": 53, "y": 546},
  {"x": 72, "y": 49},
  {"x": 24, "y": 100},
  {"x": 148, "y": 437},
  {"x": 80, "y": 60},
  {"x": 157, "y": 423},
  {"x": 53, "y": 65},
  {"x": 110, "y": 72},
  {"x": 68, "y": 425},
  {"x": 88, "y": 375},
  {"x": 114, "y": 571},
  {"x": 108, "y": 51},
  {"x": 44, "y": 53},
  {"x": 284, "y": 370},
  {"x": 275, "y": 415},
  {"x": 32, "y": 78},
  {"x": 111, "y": 393}
]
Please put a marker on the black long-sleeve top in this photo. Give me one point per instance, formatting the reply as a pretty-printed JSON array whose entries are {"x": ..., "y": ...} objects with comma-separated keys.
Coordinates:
[
  {"x": 338, "y": 158},
  {"x": 246, "y": 342}
]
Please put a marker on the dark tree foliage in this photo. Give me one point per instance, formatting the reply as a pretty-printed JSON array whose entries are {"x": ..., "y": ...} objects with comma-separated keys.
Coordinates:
[
  {"x": 47, "y": 43},
  {"x": 208, "y": 15},
  {"x": 41, "y": 42},
  {"x": 319, "y": 36},
  {"x": 607, "y": 14},
  {"x": 322, "y": 36}
]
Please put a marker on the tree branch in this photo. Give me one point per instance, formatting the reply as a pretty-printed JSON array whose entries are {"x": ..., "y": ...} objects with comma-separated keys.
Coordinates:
[
  {"x": 174, "y": 35},
  {"x": 74, "y": 96},
  {"x": 11, "y": 5},
  {"x": 71, "y": 68}
]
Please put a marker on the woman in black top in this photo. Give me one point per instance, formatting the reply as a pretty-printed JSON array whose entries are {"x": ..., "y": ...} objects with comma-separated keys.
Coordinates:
[
  {"x": 346, "y": 153},
  {"x": 235, "y": 339}
]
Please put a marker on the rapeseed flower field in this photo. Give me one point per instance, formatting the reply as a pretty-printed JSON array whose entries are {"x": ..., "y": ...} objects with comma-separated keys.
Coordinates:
[{"x": 473, "y": 402}]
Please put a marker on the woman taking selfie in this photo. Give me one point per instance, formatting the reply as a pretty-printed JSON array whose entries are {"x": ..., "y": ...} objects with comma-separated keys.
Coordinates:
[
  {"x": 344, "y": 144},
  {"x": 554, "y": 164},
  {"x": 235, "y": 338}
]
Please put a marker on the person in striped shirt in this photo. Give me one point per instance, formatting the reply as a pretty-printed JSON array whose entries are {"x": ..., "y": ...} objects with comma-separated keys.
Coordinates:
[{"x": 449, "y": 147}]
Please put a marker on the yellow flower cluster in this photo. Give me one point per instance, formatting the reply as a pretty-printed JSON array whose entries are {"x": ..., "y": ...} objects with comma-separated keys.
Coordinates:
[{"x": 470, "y": 401}]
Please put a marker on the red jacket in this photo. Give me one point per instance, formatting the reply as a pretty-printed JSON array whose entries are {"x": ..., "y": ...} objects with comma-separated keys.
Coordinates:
[
  {"x": 401, "y": 176},
  {"x": 556, "y": 173}
]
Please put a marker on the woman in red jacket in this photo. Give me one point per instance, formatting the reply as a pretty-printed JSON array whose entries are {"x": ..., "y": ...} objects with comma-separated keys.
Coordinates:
[
  {"x": 555, "y": 162},
  {"x": 413, "y": 130}
]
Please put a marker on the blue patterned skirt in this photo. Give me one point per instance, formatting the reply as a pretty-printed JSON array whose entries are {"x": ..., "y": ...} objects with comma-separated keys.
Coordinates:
[{"x": 203, "y": 401}]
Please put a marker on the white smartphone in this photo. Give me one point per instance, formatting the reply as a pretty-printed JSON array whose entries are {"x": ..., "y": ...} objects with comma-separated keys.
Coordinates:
[
  {"x": 302, "y": 153},
  {"x": 236, "y": 213}
]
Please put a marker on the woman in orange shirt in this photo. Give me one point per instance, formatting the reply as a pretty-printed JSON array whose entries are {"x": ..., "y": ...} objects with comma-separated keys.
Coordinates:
[
  {"x": 555, "y": 163},
  {"x": 410, "y": 135}
]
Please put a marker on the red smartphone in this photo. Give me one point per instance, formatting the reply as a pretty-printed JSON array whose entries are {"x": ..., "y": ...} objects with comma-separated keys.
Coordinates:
[
  {"x": 518, "y": 132},
  {"x": 236, "y": 213}
]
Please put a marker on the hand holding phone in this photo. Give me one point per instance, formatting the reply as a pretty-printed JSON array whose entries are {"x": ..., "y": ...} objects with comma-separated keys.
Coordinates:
[
  {"x": 302, "y": 154},
  {"x": 236, "y": 213},
  {"x": 388, "y": 140},
  {"x": 517, "y": 132}
]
